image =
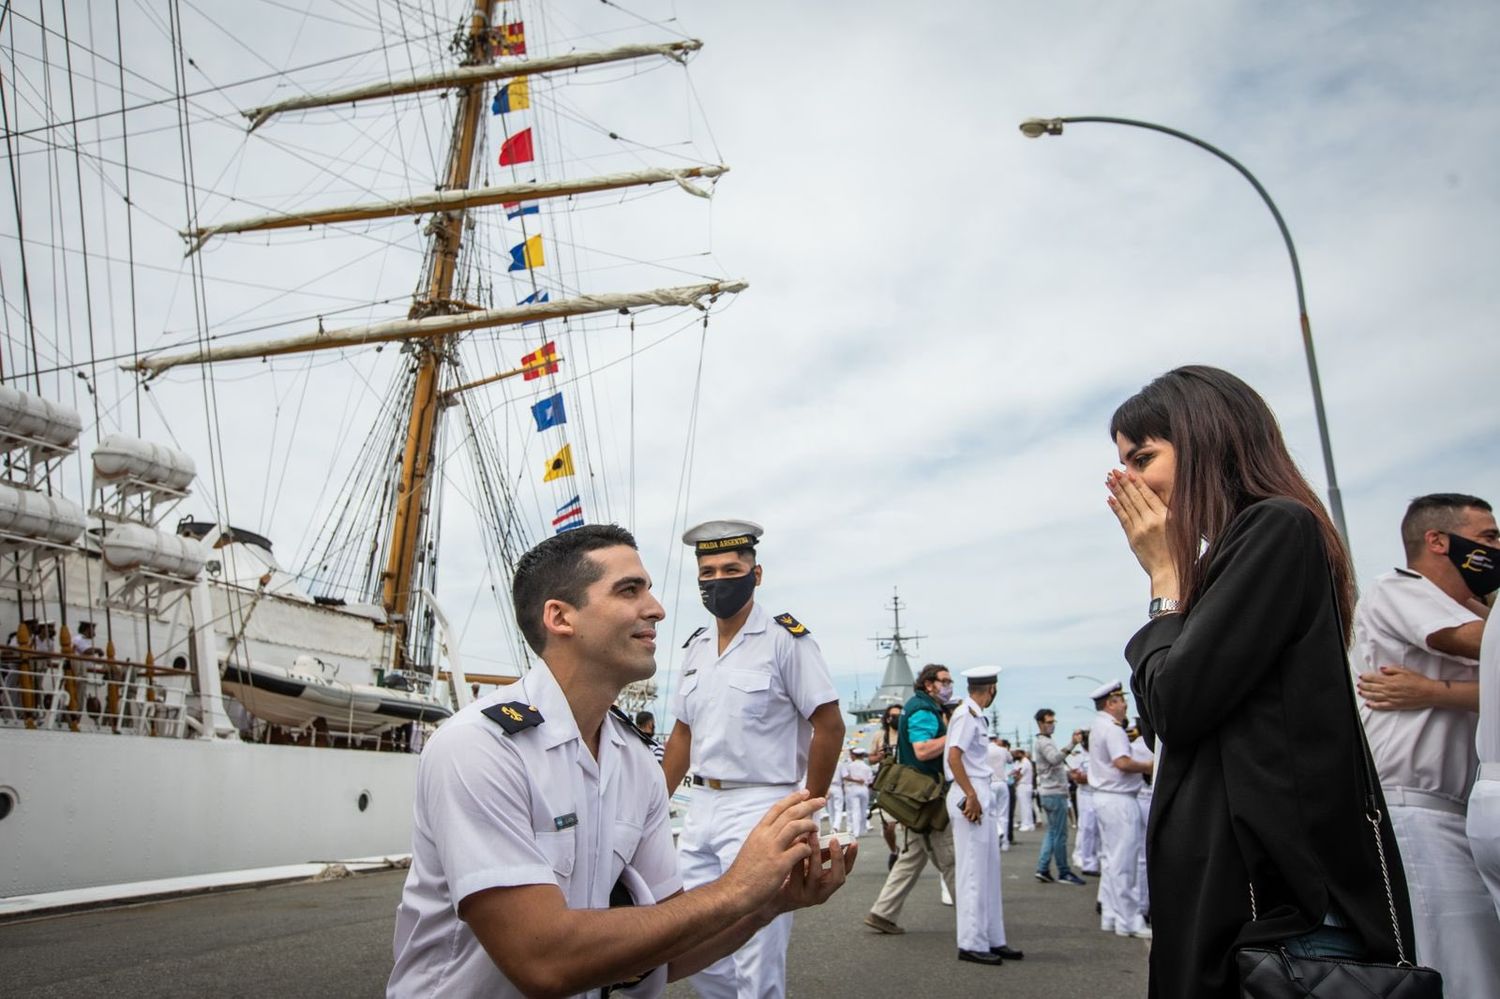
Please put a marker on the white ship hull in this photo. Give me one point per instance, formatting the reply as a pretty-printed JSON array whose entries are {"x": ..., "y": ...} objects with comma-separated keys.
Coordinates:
[
  {"x": 99, "y": 809},
  {"x": 160, "y": 798}
]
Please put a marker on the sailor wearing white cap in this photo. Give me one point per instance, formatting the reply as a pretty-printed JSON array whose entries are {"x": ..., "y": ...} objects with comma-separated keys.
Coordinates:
[
  {"x": 1115, "y": 775},
  {"x": 857, "y": 780},
  {"x": 971, "y": 813},
  {"x": 757, "y": 713}
]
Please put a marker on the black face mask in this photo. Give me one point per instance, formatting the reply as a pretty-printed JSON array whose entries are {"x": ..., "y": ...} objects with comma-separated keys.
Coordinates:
[
  {"x": 1477, "y": 563},
  {"x": 726, "y": 596}
]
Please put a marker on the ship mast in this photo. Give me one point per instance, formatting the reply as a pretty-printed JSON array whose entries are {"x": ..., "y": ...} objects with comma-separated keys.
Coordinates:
[
  {"x": 422, "y": 422},
  {"x": 434, "y": 325}
]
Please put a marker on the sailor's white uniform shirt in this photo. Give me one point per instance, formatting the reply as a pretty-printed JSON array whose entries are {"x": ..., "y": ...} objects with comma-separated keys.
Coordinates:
[
  {"x": 1107, "y": 743},
  {"x": 861, "y": 771},
  {"x": 968, "y": 733},
  {"x": 749, "y": 708},
  {"x": 496, "y": 809},
  {"x": 1423, "y": 749}
]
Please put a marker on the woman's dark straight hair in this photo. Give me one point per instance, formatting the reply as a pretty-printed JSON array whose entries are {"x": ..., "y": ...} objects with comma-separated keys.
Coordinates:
[{"x": 1230, "y": 454}]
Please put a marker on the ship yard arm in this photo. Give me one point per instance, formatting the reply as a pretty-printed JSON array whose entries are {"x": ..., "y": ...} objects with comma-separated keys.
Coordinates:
[
  {"x": 826, "y": 746},
  {"x": 548, "y": 949}
]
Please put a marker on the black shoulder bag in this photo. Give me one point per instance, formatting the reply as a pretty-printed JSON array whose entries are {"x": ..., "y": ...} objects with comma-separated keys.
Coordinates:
[{"x": 1273, "y": 973}]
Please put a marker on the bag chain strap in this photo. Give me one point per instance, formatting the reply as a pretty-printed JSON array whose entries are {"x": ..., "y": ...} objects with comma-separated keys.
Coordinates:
[{"x": 1372, "y": 813}]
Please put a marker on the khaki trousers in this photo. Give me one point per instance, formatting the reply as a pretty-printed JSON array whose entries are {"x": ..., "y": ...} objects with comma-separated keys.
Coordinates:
[{"x": 916, "y": 851}]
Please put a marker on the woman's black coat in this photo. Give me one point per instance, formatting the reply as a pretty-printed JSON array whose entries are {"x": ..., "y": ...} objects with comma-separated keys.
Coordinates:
[{"x": 1260, "y": 777}]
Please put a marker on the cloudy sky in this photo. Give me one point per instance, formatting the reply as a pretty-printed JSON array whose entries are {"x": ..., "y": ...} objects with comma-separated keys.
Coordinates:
[{"x": 914, "y": 391}]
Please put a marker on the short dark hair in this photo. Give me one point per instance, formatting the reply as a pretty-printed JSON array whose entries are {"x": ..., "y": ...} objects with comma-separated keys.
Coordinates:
[
  {"x": 1435, "y": 512},
  {"x": 1042, "y": 713},
  {"x": 559, "y": 569},
  {"x": 928, "y": 675},
  {"x": 644, "y": 718},
  {"x": 748, "y": 553}
]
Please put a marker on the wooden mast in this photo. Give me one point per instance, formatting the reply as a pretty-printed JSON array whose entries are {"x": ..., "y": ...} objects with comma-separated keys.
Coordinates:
[{"x": 421, "y": 430}]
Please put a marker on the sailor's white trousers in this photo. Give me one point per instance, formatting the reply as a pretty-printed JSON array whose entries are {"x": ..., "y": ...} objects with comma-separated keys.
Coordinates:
[
  {"x": 717, "y": 824},
  {"x": 1120, "y": 846},
  {"x": 1457, "y": 929}
]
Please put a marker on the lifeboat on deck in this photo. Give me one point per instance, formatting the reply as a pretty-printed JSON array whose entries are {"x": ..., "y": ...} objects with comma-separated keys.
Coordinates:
[{"x": 310, "y": 689}]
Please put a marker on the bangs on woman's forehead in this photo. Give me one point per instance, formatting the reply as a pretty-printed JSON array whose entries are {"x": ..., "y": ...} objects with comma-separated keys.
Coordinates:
[{"x": 1141, "y": 416}]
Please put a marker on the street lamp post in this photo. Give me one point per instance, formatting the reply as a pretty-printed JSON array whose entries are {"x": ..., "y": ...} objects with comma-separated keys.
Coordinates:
[{"x": 1036, "y": 127}]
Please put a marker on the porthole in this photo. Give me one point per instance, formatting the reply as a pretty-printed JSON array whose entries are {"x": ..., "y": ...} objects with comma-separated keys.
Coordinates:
[
  {"x": 7, "y": 802},
  {"x": 364, "y": 800}
]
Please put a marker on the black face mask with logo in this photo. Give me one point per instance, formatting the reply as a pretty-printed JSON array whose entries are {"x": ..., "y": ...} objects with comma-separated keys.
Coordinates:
[
  {"x": 726, "y": 596},
  {"x": 1477, "y": 563}
]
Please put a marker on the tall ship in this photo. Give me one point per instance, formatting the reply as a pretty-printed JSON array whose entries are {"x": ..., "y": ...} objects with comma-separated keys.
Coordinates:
[{"x": 299, "y": 307}]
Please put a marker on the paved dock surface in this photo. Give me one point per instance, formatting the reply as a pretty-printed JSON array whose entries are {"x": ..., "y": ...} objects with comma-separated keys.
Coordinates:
[{"x": 334, "y": 939}]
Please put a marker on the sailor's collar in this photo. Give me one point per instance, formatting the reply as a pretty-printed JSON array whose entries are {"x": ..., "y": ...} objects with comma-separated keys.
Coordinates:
[
  {"x": 544, "y": 692},
  {"x": 758, "y": 621}
]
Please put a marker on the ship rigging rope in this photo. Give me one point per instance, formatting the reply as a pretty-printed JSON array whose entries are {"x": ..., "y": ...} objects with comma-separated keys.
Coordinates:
[
  {"x": 92, "y": 381},
  {"x": 12, "y": 151},
  {"x": 680, "y": 512},
  {"x": 173, "y": 98}
]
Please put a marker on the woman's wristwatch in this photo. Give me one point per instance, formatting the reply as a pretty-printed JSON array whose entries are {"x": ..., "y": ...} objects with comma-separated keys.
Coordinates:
[{"x": 1162, "y": 605}]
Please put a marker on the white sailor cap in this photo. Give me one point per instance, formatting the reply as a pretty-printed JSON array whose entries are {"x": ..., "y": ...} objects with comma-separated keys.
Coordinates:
[
  {"x": 982, "y": 676},
  {"x": 714, "y": 536},
  {"x": 860, "y": 751},
  {"x": 1105, "y": 689}
]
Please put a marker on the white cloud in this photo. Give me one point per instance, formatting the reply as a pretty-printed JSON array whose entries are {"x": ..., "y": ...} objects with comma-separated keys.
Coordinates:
[{"x": 943, "y": 314}]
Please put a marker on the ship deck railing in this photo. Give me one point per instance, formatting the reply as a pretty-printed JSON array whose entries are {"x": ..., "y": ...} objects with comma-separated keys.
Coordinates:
[{"x": 82, "y": 692}]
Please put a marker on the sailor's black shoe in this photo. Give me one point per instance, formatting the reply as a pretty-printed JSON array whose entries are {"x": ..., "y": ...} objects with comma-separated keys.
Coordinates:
[
  {"x": 979, "y": 957},
  {"x": 1008, "y": 953}
]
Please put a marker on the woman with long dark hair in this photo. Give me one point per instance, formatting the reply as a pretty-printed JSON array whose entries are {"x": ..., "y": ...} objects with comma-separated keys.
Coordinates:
[{"x": 1259, "y": 801}]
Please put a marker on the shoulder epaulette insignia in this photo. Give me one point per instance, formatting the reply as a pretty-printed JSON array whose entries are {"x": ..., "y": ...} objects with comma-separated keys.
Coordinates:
[
  {"x": 974, "y": 713},
  {"x": 797, "y": 628},
  {"x": 614, "y": 709},
  {"x": 694, "y": 635},
  {"x": 514, "y": 717}
]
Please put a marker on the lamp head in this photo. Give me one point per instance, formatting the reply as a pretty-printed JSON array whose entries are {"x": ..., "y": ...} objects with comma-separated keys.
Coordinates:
[{"x": 1034, "y": 128}]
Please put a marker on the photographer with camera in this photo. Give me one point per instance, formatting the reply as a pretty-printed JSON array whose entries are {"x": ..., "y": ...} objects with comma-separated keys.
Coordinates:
[{"x": 919, "y": 758}]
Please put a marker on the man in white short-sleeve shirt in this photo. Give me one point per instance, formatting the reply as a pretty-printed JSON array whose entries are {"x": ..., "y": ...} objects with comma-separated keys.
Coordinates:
[
  {"x": 1116, "y": 777},
  {"x": 979, "y": 908},
  {"x": 1416, "y": 645},
  {"x": 1484, "y": 800},
  {"x": 757, "y": 714},
  {"x": 542, "y": 860}
]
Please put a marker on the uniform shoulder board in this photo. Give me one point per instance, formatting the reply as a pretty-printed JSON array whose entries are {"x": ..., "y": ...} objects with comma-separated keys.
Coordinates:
[
  {"x": 973, "y": 712},
  {"x": 516, "y": 716},
  {"x": 614, "y": 709},
  {"x": 797, "y": 628},
  {"x": 694, "y": 635}
]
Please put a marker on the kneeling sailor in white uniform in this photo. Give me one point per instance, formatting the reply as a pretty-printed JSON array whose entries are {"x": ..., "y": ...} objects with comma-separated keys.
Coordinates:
[
  {"x": 541, "y": 849},
  {"x": 756, "y": 711},
  {"x": 1115, "y": 776},
  {"x": 971, "y": 813}
]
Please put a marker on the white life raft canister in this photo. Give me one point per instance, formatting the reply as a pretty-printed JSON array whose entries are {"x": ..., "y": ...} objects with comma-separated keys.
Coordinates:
[
  {"x": 129, "y": 547},
  {"x": 34, "y": 515},
  {"x": 25, "y": 415},
  {"x": 120, "y": 456}
]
